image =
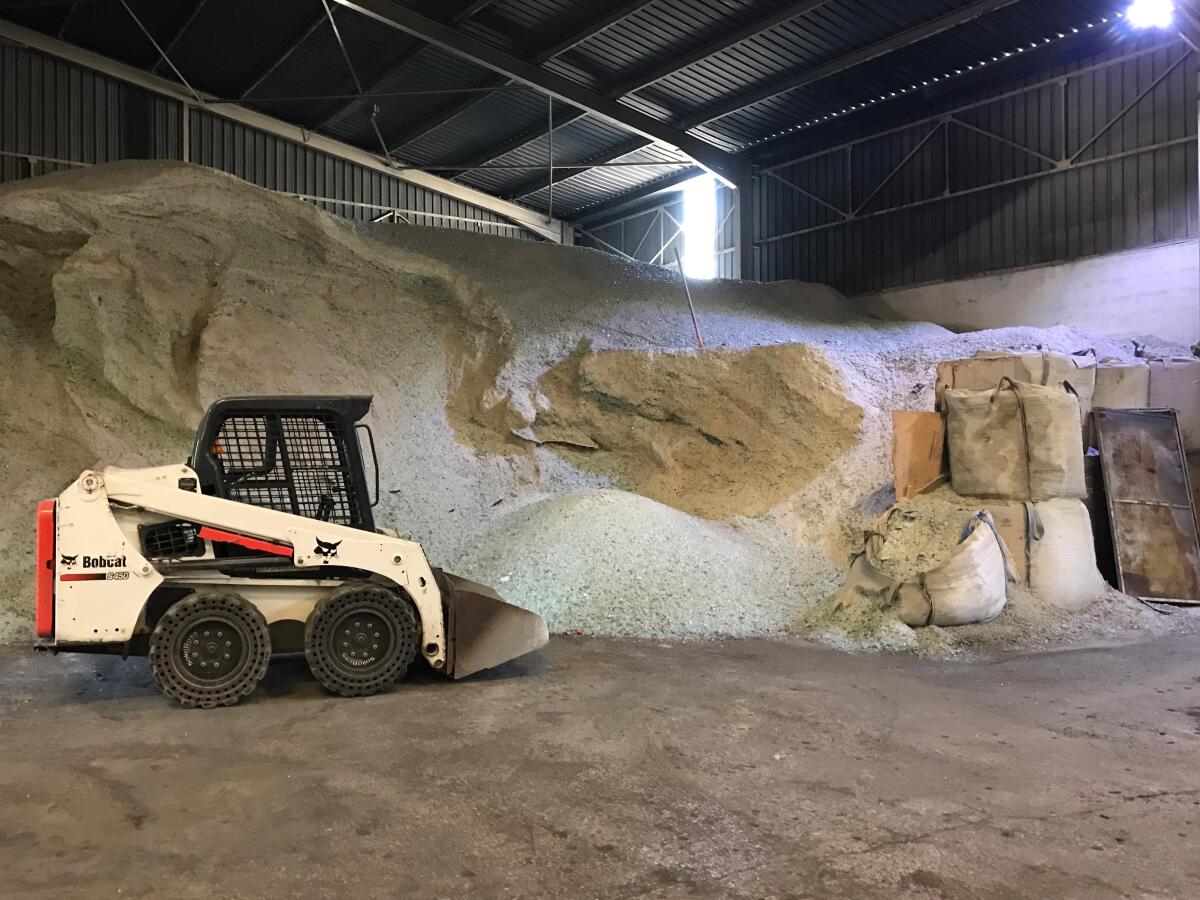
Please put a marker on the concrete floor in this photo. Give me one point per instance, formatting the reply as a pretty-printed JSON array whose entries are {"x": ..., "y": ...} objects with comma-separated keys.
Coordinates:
[{"x": 607, "y": 769}]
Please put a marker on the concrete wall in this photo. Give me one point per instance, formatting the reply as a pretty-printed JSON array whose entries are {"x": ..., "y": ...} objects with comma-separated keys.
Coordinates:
[{"x": 1155, "y": 290}]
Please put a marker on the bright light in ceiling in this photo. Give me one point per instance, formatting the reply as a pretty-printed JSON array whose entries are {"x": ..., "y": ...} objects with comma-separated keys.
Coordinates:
[{"x": 1151, "y": 13}]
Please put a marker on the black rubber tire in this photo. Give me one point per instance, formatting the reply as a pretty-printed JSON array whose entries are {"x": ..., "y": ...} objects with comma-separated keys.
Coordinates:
[
  {"x": 194, "y": 631},
  {"x": 361, "y": 639}
]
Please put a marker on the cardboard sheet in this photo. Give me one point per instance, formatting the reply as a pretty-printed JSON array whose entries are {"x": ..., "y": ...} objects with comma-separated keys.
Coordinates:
[{"x": 918, "y": 451}]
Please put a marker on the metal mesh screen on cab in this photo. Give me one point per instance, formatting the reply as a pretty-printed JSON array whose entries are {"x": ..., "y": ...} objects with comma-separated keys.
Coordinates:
[{"x": 295, "y": 464}]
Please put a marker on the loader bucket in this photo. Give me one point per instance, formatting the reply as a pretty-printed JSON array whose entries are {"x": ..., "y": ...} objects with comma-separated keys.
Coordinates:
[{"x": 482, "y": 630}]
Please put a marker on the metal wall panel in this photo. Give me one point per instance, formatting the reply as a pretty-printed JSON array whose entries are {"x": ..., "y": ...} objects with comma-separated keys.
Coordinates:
[
  {"x": 353, "y": 191},
  {"x": 54, "y": 114},
  {"x": 650, "y": 235},
  {"x": 1090, "y": 161}
]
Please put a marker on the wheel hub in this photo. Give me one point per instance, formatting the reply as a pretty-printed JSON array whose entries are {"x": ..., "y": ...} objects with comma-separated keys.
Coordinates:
[
  {"x": 211, "y": 650},
  {"x": 362, "y": 640}
]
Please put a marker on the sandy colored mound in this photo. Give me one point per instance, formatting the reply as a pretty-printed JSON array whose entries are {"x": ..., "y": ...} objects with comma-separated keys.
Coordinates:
[
  {"x": 717, "y": 433},
  {"x": 133, "y": 295},
  {"x": 125, "y": 312}
]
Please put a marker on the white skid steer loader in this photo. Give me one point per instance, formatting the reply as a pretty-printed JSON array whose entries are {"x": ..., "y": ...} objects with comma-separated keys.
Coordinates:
[{"x": 263, "y": 542}]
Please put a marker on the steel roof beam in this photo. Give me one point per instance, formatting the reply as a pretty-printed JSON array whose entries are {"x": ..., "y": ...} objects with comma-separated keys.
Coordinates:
[
  {"x": 446, "y": 114},
  {"x": 170, "y": 45},
  {"x": 799, "y": 78},
  {"x": 496, "y": 151},
  {"x": 623, "y": 205},
  {"x": 598, "y": 25},
  {"x": 387, "y": 12},
  {"x": 568, "y": 42},
  {"x": 401, "y": 61},
  {"x": 652, "y": 76}
]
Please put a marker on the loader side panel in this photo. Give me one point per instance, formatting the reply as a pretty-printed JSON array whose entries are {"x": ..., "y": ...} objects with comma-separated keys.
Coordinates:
[{"x": 44, "y": 616}]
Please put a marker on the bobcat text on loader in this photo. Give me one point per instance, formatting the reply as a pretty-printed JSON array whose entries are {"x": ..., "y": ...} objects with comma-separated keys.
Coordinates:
[{"x": 264, "y": 542}]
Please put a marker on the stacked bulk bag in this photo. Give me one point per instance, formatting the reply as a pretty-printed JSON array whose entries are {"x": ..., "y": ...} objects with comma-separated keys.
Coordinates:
[
  {"x": 1122, "y": 385},
  {"x": 1175, "y": 384},
  {"x": 985, "y": 370},
  {"x": 1053, "y": 550},
  {"x": 1017, "y": 441},
  {"x": 1062, "y": 555}
]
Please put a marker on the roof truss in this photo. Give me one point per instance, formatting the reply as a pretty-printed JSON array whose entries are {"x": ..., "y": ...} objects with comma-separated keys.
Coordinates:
[{"x": 396, "y": 16}]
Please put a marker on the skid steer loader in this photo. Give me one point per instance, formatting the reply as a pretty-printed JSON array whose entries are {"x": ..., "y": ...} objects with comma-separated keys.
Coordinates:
[{"x": 263, "y": 542}]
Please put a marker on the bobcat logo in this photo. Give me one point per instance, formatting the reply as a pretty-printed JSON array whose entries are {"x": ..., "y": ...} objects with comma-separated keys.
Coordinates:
[
  {"x": 67, "y": 560},
  {"x": 326, "y": 549}
]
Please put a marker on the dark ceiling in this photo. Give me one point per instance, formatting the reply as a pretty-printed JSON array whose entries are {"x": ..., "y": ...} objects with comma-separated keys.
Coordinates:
[{"x": 738, "y": 74}]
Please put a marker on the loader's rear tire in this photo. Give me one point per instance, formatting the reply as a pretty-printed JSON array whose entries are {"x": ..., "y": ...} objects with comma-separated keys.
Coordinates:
[
  {"x": 361, "y": 639},
  {"x": 210, "y": 649}
]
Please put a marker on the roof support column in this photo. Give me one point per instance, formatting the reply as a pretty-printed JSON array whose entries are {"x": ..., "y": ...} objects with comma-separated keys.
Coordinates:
[{"x": 745, "y": 252}]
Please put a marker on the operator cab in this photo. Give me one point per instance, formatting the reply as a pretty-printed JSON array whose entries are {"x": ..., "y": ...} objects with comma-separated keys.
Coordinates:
[{"x": 298, "y": 455}]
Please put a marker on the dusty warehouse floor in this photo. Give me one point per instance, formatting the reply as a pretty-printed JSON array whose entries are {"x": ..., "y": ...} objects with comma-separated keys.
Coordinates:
[{"x": 752, "y": 768}]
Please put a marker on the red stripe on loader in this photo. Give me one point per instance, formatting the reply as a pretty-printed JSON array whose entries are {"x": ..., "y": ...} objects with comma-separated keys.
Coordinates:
[
  {"x": 44, "y": 616},
  {"x": 228, "y": 537},
  {"x": 84, "y": 576}
]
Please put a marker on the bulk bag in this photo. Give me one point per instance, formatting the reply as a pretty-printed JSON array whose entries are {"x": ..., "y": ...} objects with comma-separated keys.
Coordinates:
[
  {"x": 985, "y": 369},
  {"x": 1122, "y": 385},
  {"x": 968, "y": 587},
  {"x": 1175, "y": 384},
  {"x": 1062, "y": 555},
  {"x": 1053, "y": 550},
  {"x": 1017, "y": 441},
  {"x": 971, "y": 586}
]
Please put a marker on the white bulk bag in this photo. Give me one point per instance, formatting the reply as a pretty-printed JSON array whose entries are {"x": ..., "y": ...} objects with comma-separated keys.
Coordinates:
[
  {"x": 1175, "y": 384},
  {"x": 1062, "y": 555},
  {"x": 1122, "y": 385},
  {"x": 971, "y": 586}
]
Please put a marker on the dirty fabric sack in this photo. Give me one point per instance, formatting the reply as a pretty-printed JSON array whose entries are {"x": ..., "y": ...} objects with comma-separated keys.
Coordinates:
[
  {"x": 1018, "y": 441},
  {"x": 968, "y": 587},
  {"x": 1062, "y": 554},
  {"x": 971, "y": 586},
  {"x": 987, "y": 367},
  {"x": 1122, "y": 385}
]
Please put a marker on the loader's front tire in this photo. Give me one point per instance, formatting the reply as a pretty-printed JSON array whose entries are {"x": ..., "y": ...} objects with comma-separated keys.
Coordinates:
[
  {"x": 210, "y": 649},
  {"x": 361, "y": 639}
]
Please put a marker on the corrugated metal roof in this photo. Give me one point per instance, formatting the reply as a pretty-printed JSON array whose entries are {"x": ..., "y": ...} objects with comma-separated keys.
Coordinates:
[
  {"x": 283, "y": 48},
  {"x": 399, "y": 114},
  {"x": 581, "y": 141}
]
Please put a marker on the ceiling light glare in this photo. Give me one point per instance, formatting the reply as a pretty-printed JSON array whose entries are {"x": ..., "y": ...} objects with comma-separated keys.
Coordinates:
[{"x": 1151, "y": 13}]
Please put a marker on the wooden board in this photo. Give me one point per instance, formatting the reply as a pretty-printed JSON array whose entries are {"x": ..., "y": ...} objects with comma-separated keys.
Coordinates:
[
  {"x": 1150, "y": 504},
  {"x": 918, "y": 451}
]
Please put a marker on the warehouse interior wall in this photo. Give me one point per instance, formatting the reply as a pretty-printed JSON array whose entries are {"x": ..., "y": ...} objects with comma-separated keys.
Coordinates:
[
  {"x": 1092, "y": 158},
  {"x": 1152, "y": 290}
]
